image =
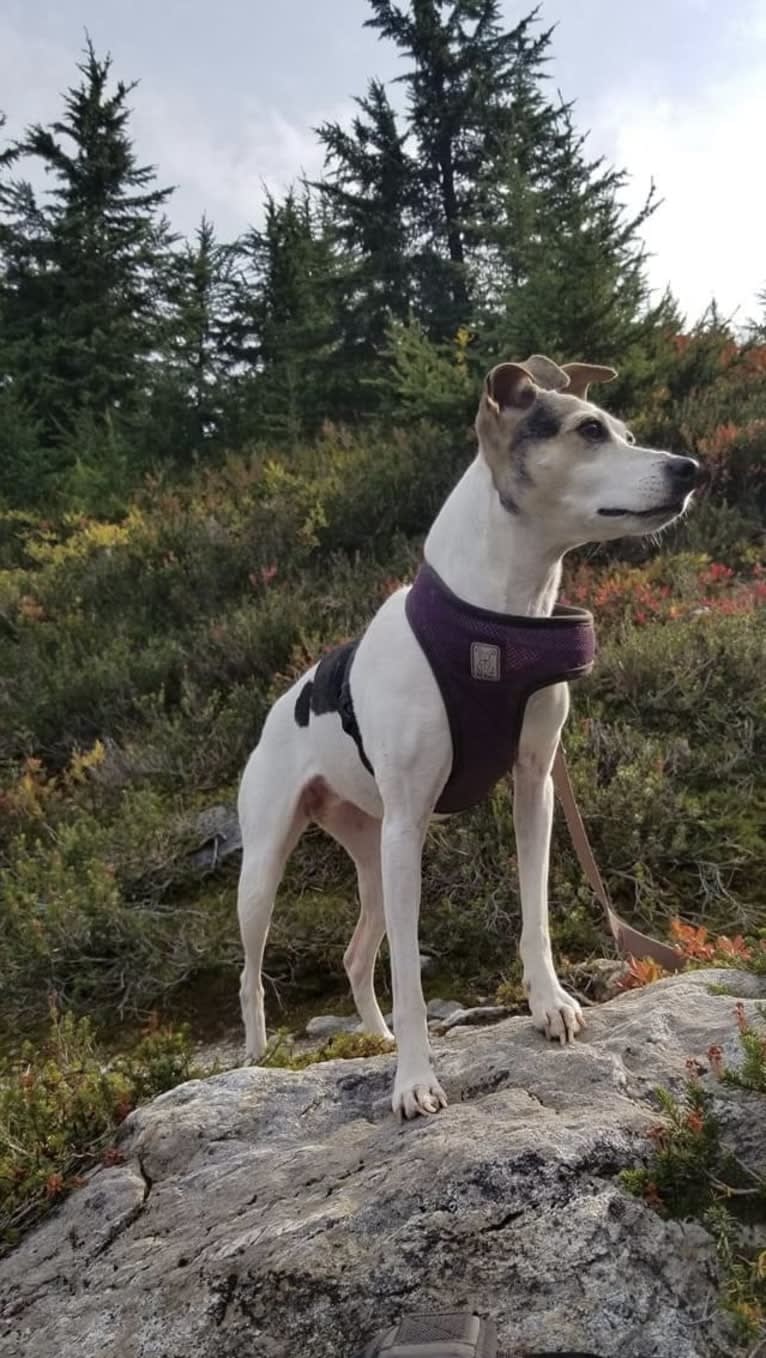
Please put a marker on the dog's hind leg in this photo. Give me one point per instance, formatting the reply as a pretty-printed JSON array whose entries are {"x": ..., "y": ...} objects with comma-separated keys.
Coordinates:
[
  {"x": 359, "y": 834},
  {"x": 272, "y": 819}
]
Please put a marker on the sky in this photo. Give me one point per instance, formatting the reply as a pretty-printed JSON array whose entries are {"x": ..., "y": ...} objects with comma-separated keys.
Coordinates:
[{"x": 671, "y": 90}]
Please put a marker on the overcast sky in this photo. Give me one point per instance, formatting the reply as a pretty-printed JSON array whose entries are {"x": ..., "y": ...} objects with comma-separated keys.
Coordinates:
[{"x": 673, "y": 90}]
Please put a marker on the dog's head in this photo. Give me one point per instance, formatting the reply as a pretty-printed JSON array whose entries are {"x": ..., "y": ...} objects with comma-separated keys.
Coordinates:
[{"x": 557, "y": 458}]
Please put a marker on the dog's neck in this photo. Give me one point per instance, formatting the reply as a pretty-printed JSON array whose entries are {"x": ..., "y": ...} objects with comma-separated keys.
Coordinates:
[{"x": 490, "y": 557}]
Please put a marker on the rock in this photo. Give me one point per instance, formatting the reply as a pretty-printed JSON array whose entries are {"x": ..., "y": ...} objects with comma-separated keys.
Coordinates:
[
  {"x": 441, "y": 1009},
  {"x": 482, "y": 1013},
  {"x": 271, "y": 1213},
  {"x": 326, "y": 1026},
  {"x": 218, "y": 835}
]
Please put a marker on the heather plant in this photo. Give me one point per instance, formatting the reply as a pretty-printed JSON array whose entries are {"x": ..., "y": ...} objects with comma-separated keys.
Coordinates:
[
  {"x": 61, "y": 1102},
  {"x": 693, "y": 1171},
  {"x": 341, "y": 1047},
  {"x": 109, "y": 760}
]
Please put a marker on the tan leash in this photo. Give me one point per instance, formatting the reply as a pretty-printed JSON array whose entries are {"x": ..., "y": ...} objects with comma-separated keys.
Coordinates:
[{"x": 629, "y": 941}]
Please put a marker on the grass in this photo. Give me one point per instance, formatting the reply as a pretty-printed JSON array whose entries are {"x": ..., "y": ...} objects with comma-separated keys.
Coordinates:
[{"x": 341, "y": 1047}]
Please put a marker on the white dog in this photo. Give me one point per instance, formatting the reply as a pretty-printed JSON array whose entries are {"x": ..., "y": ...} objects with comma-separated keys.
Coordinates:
[{"x": 370, "y": 742}]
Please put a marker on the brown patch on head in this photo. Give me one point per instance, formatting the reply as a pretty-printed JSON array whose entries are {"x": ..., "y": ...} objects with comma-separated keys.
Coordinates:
[
  {"x": 509, "y": 391},
  {"x": 524, "y": 406},
  {"x": 513, "y": 415},
  {"x": 509, "y": 386}
]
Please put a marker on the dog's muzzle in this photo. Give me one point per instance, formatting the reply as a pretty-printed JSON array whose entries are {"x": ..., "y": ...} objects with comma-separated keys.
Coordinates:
[{"x": 683, "y": 474}]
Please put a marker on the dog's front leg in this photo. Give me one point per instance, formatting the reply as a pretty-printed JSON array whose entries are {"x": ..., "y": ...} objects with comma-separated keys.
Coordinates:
[
  {"x": 554, "y": 1012},
  {"x": 416, "y": 1089}
]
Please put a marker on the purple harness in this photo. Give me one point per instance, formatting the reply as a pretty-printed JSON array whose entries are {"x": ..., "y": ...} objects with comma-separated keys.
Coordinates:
[{"x": 487, "y": 665}]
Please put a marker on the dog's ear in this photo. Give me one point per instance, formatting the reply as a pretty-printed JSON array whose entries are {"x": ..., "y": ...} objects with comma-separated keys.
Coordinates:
[
  {"x": 546, "y": 373},
  {"x": 510, "y": 386},
  {"x": 582, "y": 374}
]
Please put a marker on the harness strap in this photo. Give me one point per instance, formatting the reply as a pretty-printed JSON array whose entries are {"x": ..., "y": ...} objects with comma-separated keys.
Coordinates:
[{"x": 630, "y": 942}]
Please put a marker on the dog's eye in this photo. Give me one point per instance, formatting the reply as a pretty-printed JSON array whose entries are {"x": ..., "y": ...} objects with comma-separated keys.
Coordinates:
[{"x": 592, "y": 430}]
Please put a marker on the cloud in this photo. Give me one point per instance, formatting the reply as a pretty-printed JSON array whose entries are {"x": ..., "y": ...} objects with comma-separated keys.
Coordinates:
[
  {"x": 33, "y": 72},
  {"x": 692, "y": 127},
  {"x": 225, "y": 173},
  {"x": 702, "y": 150},
  {"x": 220, "y": 166}
]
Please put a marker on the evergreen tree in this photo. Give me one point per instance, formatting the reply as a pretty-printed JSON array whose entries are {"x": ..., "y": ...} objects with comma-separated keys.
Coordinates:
[
  {"x": 22, "y": 468},
  {"x": 369, "y": 193},
  {"x": 189, "y": 404},
  {"x": 84, "y": 270},
  {"x": 472, "y": 97},
  {"x": 569, "y": 260},
  {"x": 470, "y": 226},
  {"x": 283, "y": 334}
]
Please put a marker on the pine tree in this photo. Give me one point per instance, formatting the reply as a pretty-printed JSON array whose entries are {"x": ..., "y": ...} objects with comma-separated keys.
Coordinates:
[
  {"x": 573, "y": 270},
  {"x": 189, "y": 404},
  {"x": 22, "y": 465},
  {"x": 283, "y": 335},
  {"x": 369, "y": 194},
  {"x": 472, "y": 98},
  {"x": 84, "y": 270}
]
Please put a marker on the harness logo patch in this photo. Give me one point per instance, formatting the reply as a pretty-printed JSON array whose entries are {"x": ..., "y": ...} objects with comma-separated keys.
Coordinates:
[{"x": 485, "y": 661}]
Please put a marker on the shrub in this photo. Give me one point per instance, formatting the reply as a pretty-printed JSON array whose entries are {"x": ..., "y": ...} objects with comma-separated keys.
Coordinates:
[
  {"x": 60, "y": 1104},
  {"x": 692, "y": 1173},
  {"x": 88, "y": 912},
  {"x": 342, "y": 1047},
  {"x": 100, "y": 905},
  {"x": 159, "y": 636}
]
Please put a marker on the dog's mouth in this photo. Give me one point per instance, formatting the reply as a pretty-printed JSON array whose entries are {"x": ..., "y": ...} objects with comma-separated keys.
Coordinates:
[{"x": 658, "y": 512}]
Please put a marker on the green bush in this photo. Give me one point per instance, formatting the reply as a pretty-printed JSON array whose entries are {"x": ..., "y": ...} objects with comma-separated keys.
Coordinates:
[
  {"x": 61, "y": 1101},
  {"x": 692, "y": 1172},
  {"x": 98, "y": 908},
  {"x": 99, "y": 904},
  {"x": 140, "y": 655},
  {"x": 342, "y": 1047}
]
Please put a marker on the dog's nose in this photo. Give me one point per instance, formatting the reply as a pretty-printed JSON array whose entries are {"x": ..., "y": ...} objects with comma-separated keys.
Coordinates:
[{"x": 684, "y": 472}]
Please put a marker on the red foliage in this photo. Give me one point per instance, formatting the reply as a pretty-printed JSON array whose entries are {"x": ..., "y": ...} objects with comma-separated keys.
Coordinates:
[
  {"x": 633, "y": 594},
  {"x": 54, "y": 1186},
  {"x": 641, "y": 971},
  {"x": 693, "y": 941},
  {"x": 715, "y": 1057}
]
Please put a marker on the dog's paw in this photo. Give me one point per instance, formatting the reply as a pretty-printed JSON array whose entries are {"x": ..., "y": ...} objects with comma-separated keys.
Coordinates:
[
  {"x": 416, "y": 1095},
  {"x": 554, "y": 1012}
]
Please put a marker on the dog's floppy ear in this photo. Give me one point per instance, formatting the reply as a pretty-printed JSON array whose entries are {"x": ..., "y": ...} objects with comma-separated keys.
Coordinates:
[
  {"x": 546, "y": 373},
  {"x": 510, "y": 386},
  {"x": 582, "y": 374}
]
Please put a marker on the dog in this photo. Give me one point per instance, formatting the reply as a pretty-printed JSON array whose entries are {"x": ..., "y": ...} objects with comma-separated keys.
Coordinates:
[{"x": 363, "y": 744}]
